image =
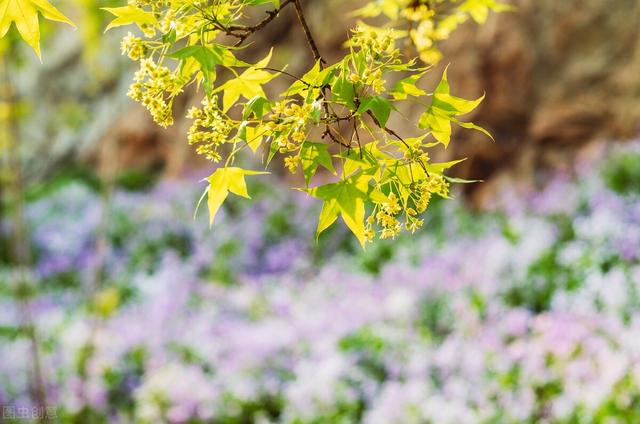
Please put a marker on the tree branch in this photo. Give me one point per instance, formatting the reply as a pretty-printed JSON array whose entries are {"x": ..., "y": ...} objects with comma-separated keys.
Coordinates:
[
  {"x": 271, "y": 15},
  {"x": 307, "y": 33},
  {"x": 243, "y": 32}
]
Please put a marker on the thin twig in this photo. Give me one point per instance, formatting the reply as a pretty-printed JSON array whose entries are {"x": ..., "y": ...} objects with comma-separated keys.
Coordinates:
[
  {"x": 355, "y": 131},
  {"x": 328, "y": 132},
  {"x": 307, "y": 33},
  {"x": 271, "y": 15},
  {"x": 266, "y": 68},
  {"x": 243, "y": 32},
  {"x": 396, "y": 135}
]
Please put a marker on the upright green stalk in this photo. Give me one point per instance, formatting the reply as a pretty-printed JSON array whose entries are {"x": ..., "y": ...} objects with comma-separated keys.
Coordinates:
[{"x": 20, "y": 249}]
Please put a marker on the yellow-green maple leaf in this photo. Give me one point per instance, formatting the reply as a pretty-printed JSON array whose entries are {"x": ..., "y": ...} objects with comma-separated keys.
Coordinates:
[
  {"x": 444, "y": 111},
  {"x": 127, "y": 15},
  {"x": 224, "y": 181},
  {"x": 248, "y": 84},
  {"x": 25, "y": 15},
  {"x": 346, "y": 199}
]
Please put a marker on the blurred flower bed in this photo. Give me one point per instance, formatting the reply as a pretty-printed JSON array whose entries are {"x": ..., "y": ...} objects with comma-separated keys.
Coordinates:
[{"x": 527, "y": 314}]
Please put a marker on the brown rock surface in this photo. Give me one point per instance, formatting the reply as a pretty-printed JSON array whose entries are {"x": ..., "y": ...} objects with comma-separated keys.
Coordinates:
[{"x": 557, "y": 74}]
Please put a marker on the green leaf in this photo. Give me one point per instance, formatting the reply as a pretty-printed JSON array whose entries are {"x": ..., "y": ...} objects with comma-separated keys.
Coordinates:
[
  {"x": 24, "y": 13},
  {"x": 346, "y": 199},
  {"x": 407, "y": 87},
  {"x": 368, "y": 159},
  {"x": 438, "y": 168},
  {"x": 443, "y": 111},
  {"x": 127, "y": 15},
  {"x": 276, "y": 3},
  {"x": 208, "y": 57},
  {"x": 309, "y": 85},
  {"x": 247, "y": 85},
  {"x": 170, "y": 37},
  {"x": 379, "y": 107},
  {"x": 472, "y": 126},
  {"x": 225, "y": 181},
  {"x": 304, "y": 82},
  {"x": 251, "y": 135},
  {"x": 313, "y": 155},
  {"x": 257, "y": 106},
  {"x": 461, "y": 180},
  {"x": 344, "y": 92}
]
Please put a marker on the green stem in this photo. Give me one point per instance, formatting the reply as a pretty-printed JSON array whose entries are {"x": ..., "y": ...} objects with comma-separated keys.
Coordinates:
[{"x": 20, "y": 249}]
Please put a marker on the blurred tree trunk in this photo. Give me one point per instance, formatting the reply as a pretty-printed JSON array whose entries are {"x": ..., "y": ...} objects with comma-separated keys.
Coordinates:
[{"x": 20, "y": 255}]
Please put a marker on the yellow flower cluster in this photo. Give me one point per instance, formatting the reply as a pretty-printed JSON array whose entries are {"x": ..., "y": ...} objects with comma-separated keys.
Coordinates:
[
  {"x": 385, "y": 214},
  {"x": 288, "y": 126},
  {"x": 209, "y": 130},
  {"x": 424, "y": 35},
  {"x": 421, "y": 194},
  {"x": 422, "y": 198},
  {"x": 133, "y": 47},
  {"x": 386, "y": 218},
  {"x": 413, "y": 223},
  {"x": 436, "y": 184},
  {"x": 374, "y": 44},
  {"x": 379, "y": 50},
  {"x": 151, "y": 83},
  {"x": 292, "y": 163},
  {"x": 414, "y": 153},
  {"x": 371, "y": 78}
]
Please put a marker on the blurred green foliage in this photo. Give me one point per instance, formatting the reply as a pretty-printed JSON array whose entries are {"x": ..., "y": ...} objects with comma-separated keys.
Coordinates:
[{"x": 622, "y": 173}]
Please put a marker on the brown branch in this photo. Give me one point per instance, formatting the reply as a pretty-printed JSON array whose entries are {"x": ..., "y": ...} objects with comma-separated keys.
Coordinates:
[
  {"x": 355, "y": 131},
  {"x": 266, "y": 68},
  {"x": 243, "y": 32},
  {"x": 396, "y": 135},
  {"x": 307, "y": 33},
  {"x": 387, "y": 129},
  {"x": 318, "y": 57},
  {"x": 328, "y": 132},
  {"x": 271, "y": 15}
]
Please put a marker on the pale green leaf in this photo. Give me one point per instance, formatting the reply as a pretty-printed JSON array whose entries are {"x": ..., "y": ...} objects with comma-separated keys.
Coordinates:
[
  {"x": 313, "y": 155},
  {"x": 345, "y": 198},
  {"x": 221, "y": 183},
  {"x": 127, "y": 15},
  {"x": 24, "y": 13},
  {"x": 443, "y": 111}
]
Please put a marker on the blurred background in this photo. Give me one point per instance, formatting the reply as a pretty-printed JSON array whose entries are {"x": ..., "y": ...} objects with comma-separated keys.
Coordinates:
[{"x": 518, "y": 301}]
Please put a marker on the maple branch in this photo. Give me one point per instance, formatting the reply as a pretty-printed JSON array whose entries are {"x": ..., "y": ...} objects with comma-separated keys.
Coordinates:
[
  {"x": 271, "y": 15},
  {"x": 387, "y": 129},
  {"x": 266, "y": 68},
  {"x": 318, "y": 57},
  {"x": 328, "y": 132},
  {"x": 355, "y": 131},
  {"x": 396, "y": 135},
  {"x": 307, "y": 33},
  {"x": 243, "y": 32}
]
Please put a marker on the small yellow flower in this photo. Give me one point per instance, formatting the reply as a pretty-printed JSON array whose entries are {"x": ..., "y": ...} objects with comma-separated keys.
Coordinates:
[
  {"x": 291, "y": 163},
  {"x": 299, "y": 136}
]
